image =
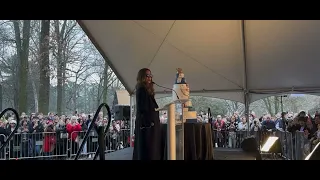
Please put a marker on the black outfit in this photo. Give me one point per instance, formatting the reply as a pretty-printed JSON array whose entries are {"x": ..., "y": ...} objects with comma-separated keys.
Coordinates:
[
  {"x": 147, "y": 144},
  {"x": 3, "y": 133}
]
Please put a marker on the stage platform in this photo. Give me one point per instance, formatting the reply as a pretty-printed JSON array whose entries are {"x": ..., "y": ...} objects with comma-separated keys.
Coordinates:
[
  {"x": 123, "y": 154},
  {"x": 219, "y": 154}
]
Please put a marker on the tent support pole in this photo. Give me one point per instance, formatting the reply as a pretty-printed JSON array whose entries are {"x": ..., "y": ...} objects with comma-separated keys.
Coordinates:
[
  {"x": 246, "y": 112},
  {"x": 131, "y": 119},
  {"x": 245, "y": 79}
]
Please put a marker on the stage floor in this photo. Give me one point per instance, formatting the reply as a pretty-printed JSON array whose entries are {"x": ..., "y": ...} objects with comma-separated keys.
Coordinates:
[
  {"x": 123, "y": 154},
  {"x": 219, "y": 154}
]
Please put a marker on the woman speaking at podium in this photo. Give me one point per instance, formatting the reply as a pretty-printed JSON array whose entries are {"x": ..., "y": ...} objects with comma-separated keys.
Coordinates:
[{"x": 147, "y": 125}]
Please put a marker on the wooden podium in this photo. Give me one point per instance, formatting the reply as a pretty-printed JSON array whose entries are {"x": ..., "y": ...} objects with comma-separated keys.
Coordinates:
[{"x": 173, "y": 121}]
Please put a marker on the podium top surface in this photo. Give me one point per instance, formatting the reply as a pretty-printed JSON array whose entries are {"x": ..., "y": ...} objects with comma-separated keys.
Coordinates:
[{"x": 165, "y": 107}]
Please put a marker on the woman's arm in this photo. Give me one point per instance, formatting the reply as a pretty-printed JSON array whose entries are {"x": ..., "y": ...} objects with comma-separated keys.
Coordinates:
[
  {"x": 141, "y": 98},
  {"x": 142, "y": 105}
]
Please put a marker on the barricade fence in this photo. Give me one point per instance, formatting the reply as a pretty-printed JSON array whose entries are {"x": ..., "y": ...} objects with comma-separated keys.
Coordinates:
[
  {"x": 232, "y": 139},
  {"x": 60, "y": 145},
  {"x": 302, "y": 144},
  {"x": 295, "y": 146}
]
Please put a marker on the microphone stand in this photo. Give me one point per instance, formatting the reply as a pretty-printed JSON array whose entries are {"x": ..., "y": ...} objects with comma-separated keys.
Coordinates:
[
  {"x": 166, "y": 88},
  {"x": 284, "y": 126}
]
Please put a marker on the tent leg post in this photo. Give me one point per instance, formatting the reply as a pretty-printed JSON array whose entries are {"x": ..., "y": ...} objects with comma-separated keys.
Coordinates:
[
  {"x": 247, "y": 114},
  {"x": 131, "y": 120}
]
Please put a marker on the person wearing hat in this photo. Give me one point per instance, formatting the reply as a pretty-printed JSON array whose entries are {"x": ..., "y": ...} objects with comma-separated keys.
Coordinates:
[
  {"x": 280, "y": 123},
  {"x": 3, "y": 134},
  {"x": 3, "y": 131},
  {"x": 36, "y": 128},
  {"x": 12, "y": 124},
  {"x": 10, "y": 128}
]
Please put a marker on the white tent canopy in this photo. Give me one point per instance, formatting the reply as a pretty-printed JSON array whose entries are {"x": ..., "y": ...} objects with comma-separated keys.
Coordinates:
[{"x": 224, "y": 59}]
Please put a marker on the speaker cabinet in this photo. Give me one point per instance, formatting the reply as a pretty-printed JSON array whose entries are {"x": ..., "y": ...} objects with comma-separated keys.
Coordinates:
[{"x": 121, "y": 112}]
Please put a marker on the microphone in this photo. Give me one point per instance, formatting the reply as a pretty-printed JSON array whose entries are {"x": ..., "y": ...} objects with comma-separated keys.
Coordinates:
[{"x": 166, "y": 88}]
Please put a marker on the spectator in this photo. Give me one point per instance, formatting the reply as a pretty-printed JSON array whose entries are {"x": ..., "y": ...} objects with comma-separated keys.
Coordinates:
[
  {"x": 316, "y": 137},
  {"x": 49, "y": 140},
  {"x": 73, "y": 128},
  {"x": 61, "y": 138},
  {"x": 232, "y": 136},
  {"x": 219, "y": 128},
  {"x": 280, "y": 122},
  {"x": 36, "y": 128},
  {"x": 268, "y": 124}
]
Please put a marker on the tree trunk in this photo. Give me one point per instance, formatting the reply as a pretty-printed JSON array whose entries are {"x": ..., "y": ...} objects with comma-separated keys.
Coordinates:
[
  {"x": 267, "y": 104},
  {"x": 60, "y": 64},
  {"x": 1, "y": 98},
  {"x": 35, "y": 94},
  {"x": 86, "y": 102},
  {"x": 276, "y": 104},
  {"x": 74, "y": 95},
  {"x": 99, "y": 92},
  {"x": 44, "y": 88},
  {"x": 105, "y": 86},
  {"x": 22, "y": 47},
  {"x": 17, "y": 67},
  {"x": 63, "y": 92}
]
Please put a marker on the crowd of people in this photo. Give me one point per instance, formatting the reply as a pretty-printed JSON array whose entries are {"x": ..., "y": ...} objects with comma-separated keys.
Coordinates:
[
  {"x": 60, "y": 136},
  {"x": 57, "y": 136},
  {"x": 298, "y": 131},
  {"x": 229, "y": 131}
]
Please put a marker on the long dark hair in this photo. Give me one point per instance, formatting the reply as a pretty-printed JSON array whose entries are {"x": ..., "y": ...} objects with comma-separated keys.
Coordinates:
[{"x": 141, "y": 81}]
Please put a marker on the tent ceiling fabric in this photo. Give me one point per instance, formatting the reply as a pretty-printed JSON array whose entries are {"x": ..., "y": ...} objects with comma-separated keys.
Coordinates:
[
  {"x": 279, "y": 54},
  {"x": 282, "y": 54}
]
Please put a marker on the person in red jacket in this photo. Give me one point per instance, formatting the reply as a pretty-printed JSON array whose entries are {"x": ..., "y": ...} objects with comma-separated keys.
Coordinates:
[
  {"x": 219, "y": 127},
  {"x": 49, "y": 140},
  {"x": 73, "y": 128}
]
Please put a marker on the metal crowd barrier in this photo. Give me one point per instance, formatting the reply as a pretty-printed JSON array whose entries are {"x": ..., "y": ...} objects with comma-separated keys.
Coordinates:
[
  {"x": 286, "y": 142},
  {"x": 117, "y": 141},
  {"x": 227, "y": 139},
  {"x": 295, "y": 146},
  {"x": 77, "y": 138},
  {"x": 54, "y": 146},
  {"x": 114, "y": 142},
  {"x": 302, "y": 146},
  {"x": 46, "y": 145}
]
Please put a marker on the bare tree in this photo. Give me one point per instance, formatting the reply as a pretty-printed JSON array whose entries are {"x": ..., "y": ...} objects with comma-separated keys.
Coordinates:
[
  {"x": 234, "y": 106},
  {"x": 44, "y": 90},
  {"x": 34, "y": 61},
  {"x": 22, "y": 47}
]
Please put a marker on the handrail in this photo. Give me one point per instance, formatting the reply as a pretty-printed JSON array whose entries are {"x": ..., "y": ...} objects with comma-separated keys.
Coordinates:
[
  {"x": 15, "y": 129},
  {"x": 105, "y": 136},
  {"x": 97, "y": 151},
  {"x": 92, "y": 124}
]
